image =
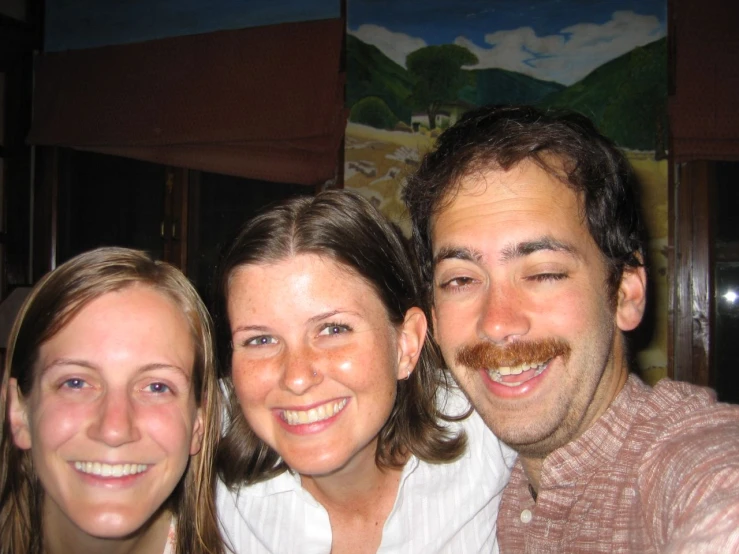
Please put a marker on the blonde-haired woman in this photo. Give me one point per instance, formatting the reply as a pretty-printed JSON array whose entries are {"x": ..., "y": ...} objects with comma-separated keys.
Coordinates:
[{"x": 110, "y": 413}]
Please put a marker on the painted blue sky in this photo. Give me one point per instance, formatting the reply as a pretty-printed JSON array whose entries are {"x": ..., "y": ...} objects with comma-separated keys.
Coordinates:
[
  {"x": 555, "y": 40},
  {"x": 72, "y": 24}
]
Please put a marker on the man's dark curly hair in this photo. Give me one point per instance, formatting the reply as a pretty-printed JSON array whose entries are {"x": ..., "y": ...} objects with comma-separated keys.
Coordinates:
[{"x": 565, "y": 144}]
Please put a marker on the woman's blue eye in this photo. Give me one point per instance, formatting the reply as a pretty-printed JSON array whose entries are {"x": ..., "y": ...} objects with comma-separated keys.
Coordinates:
[
  {"x": 158, "y": 388},
  {"x": 334, "y": 329},
  {"x": 74, "y": 383},
  {"x": 261, "y": 340}
]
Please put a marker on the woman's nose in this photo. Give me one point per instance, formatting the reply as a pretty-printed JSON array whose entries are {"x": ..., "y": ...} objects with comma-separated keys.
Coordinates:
[
  {"x": 115, "y": 423},
  {"x": 300, "y": 370}
]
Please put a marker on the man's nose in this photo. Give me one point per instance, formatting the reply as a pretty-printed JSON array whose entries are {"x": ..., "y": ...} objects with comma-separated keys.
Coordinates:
[{"x": 503, "y": 317}]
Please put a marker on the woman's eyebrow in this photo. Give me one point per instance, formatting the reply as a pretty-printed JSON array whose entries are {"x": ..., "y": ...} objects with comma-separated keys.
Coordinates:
[
  {"x": 257, "y": 328},
  {"x": 62, "y": 362},
  {"x": 80, "y": 362},
  {"x": 156, "y": 366}
]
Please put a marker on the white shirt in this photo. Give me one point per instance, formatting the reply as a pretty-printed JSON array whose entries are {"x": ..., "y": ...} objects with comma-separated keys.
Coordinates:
[
  {"x": 171, "y": 537},
  {"x": 445, "y": 508}
]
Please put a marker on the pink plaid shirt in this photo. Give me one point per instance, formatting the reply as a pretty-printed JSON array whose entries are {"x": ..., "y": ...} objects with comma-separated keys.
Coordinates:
[{"x": 658, "y": 472}]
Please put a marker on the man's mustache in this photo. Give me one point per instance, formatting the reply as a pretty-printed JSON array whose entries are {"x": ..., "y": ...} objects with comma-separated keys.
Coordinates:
[{"x": 487, "y": 355}]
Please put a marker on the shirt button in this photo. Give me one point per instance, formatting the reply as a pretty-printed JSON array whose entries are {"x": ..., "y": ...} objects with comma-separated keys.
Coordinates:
[{"x": 526, "y": 516}]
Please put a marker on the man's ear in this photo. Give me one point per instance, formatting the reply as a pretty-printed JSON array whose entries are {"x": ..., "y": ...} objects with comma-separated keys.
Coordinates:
[
  {"x": 632, "y": 298},
  {"x": 410, "y": 341},
  {"x": 18, "y": 416},
  {"x": 198, "y": 430}
]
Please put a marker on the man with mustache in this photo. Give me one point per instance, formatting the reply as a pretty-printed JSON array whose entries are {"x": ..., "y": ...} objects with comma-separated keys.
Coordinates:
[{"x": 530, "y": 240}]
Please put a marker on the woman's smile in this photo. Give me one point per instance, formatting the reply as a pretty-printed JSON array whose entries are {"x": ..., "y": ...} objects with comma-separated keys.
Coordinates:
[{"x": 321, "y": 412}]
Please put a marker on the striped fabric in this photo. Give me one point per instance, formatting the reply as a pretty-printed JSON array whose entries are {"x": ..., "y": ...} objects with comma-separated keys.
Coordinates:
[
  {"x": 658, "y": 472},
  {"x": 449, "y": 508}
]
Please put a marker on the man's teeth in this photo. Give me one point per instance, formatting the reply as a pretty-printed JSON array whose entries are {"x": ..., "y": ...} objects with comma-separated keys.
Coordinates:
[
  {"x": 110, "y": 470},
  {"x": 497, "y": 374},
  {"x": 325, "y": 411},
  {"x": 517, "y": 370}
]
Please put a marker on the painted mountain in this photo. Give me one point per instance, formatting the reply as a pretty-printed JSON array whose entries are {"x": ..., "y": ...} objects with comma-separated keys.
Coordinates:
[
  {"x": 626, "y": 96},
  {"x": 370, "y": 73},
  {"x": 499, "y": 86}
]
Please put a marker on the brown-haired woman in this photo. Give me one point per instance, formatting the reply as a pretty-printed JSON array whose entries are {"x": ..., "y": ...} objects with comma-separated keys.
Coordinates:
[
  {"x": 110, "y": 413},
  {"x": 338, "y": 439}
]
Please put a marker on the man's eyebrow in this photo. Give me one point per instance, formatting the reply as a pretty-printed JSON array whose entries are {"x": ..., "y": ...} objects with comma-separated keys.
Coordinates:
[
  {"x": 457, "y": 253},
  {"x": 527, "y": 248}
]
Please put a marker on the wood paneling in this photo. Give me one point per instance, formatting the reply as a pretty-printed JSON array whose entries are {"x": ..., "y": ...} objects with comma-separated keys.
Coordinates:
[{"x": 691, "y": 310}]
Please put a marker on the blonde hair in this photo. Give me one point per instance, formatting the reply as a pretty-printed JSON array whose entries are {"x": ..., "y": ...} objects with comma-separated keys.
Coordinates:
[{"x": 52, "y": 303}]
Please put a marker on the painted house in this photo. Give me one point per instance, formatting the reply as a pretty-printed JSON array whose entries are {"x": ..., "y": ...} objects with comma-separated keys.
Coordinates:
[{"x": 447, "y": 115}]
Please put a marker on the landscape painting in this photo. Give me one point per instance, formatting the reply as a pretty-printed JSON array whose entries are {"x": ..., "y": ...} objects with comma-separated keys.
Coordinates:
[{"x": 414, "y": 68}]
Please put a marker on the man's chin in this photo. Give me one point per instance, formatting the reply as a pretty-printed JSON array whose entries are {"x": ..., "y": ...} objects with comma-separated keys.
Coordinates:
[{"x": 534, "y": 441}]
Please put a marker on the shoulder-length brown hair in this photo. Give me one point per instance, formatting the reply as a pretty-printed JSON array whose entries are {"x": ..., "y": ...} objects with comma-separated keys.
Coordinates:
[
  {"x": 346, "y": 228},
  {"x": 53, "y": 302}
]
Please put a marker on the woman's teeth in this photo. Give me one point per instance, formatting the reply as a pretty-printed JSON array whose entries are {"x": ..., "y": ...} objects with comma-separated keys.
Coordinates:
[
  {"x": 110, "y": 470},
  {"x": 325, "y": 411}
]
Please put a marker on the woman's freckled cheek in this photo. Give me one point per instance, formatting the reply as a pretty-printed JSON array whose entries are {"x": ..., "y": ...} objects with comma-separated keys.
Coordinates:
[
  {"x": 245, "y": 376},
  {"x": 338, "y": 360}
]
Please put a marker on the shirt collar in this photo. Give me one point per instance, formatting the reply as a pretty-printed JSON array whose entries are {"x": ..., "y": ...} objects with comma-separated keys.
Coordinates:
[
  {"x": 601, "y": 443},
  {"x": 289, "y": 481}
]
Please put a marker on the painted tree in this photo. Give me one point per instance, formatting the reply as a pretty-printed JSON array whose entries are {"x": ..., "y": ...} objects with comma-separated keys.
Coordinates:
[{"x": 438, "y": 76}]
